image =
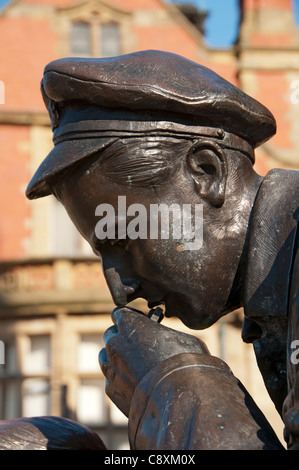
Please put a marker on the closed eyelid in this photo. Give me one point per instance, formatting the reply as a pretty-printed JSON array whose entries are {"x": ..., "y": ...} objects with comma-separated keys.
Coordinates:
[
  {"x": 98, "y": 245},
  {"x": 117, "y": 228}
]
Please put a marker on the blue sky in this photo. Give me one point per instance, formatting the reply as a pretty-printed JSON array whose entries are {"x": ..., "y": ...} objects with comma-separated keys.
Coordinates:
[{"x": 222, "y": 21}]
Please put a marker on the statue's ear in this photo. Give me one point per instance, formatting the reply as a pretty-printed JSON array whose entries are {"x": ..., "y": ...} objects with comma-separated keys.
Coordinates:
[{"x": 208, "y": 167}]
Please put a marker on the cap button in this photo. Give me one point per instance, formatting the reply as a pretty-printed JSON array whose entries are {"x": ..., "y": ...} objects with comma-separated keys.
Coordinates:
[{"x": 220, "y": 133}]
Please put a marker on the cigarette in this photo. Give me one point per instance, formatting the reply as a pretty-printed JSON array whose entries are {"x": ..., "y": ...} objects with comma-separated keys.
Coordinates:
[{"x": 156, "y": 314}]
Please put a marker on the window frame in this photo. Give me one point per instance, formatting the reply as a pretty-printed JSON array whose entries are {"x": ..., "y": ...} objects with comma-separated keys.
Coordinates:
[
  {"x": 63, "y": 384},
  {"x": 88, "y": 39},
  {"x": 96, "y": 25}
]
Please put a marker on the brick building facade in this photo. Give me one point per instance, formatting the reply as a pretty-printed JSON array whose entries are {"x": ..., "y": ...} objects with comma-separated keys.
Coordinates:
[{"x": 53, "y": 301}]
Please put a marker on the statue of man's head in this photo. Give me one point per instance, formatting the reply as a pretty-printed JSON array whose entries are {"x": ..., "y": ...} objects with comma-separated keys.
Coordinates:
[{"x": 152, "y": 133}]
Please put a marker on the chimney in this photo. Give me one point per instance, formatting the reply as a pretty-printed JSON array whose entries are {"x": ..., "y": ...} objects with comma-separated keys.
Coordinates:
[
  {"x": 267, "y": 24},
  {"x": 267, "y": 53}
]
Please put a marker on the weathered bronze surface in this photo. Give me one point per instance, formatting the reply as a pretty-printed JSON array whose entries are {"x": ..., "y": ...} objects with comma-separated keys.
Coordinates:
[
  {"x": 47, "y": 433},
  {"x": 156, "y": 128}
]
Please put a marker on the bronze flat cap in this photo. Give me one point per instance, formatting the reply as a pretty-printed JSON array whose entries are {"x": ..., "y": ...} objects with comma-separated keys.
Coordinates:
[{"x": 92, "y": 102}]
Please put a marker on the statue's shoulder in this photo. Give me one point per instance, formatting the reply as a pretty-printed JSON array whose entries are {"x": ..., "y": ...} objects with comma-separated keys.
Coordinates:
[{"x": 283, "y": 184}]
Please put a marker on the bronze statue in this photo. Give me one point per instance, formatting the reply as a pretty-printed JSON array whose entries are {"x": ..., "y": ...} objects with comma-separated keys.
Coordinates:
[
  {"x": 155, "y": 128},
  {"x": 47, "y": 433}
]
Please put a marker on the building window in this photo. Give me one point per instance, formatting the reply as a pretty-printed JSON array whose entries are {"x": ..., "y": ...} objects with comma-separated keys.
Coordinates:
[
  {"x": 81, "y": 39},
  {"x": 33, "y": 383},
  {"x": 9, "y": 383},
  {"x": 88, "y": 349},
  {"x": 64, "y": 238},
  {"x": 36, "y": 366},
  {"x": 95, "y": 39},
  {"x": 25, "y": 385},
  {"x": 35, "y": 397},
  {"x": 36, "y": 355},
  {"x": 91, "y": 404},
  {"x": 94, "y": 409},
  {"x": 110, "y": 41}
]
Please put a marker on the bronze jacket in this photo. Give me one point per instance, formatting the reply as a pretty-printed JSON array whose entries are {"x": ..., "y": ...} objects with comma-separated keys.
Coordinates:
[{"x": 194, "y": 401}]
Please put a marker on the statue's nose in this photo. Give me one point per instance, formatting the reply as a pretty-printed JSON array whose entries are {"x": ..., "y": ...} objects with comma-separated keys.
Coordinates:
[{"x": 121, "y": 289}]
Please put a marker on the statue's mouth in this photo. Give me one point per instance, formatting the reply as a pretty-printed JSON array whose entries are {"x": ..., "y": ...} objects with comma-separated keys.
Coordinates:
[{"x": 156, "y": 313}]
